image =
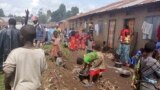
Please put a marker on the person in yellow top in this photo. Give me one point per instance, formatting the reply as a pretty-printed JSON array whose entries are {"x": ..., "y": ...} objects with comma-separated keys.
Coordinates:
[
  {"x": 124, "y": 46},
  {"x": 127, "y": 38}
]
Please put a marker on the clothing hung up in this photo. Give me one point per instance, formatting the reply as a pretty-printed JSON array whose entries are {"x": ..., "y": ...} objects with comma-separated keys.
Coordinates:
[
  {"x": 147, "y": 30},
  {"x": 97, "y": 29}
]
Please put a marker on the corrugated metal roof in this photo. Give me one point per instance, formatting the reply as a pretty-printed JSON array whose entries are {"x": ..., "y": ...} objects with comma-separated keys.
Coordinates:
[
  {"x": 5, "y": 19},
  {"x": 117, "y": 5}
]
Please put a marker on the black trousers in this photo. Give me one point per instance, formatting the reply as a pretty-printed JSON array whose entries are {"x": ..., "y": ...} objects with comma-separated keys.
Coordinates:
[{"x": 2, "y": 59}]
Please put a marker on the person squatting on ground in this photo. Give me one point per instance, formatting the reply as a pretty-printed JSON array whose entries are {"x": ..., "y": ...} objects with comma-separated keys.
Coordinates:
[
  {"x": 24, "y": 66},
  {"x": 124, "y": 47},
  {"x": 60, "y": 59},
  {"x": 55, "y": 45},
  {"x": 94, "y": 65},
  {"x": 9, "y": 40},
  {"x": 147, "y": 71}
]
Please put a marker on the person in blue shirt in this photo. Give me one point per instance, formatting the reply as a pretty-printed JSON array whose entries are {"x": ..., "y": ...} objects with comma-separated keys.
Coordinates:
[{"x": 50, "y": 33}]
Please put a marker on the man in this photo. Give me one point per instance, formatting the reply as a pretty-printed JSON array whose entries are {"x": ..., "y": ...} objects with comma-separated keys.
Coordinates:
[
  {"x": 24, "y": 66},
  {"x": 40, "y": 32},
  {"x": 147, "y": 71},
  {"x": 9, "y": 40}
]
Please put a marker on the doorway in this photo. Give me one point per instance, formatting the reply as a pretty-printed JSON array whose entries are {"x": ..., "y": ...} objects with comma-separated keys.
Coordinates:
[
  {"x": 134, "y": 35},
  {"x": 111, "y": 33}
]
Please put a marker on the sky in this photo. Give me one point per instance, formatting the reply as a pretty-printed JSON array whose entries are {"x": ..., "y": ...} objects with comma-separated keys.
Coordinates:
[{"x": 17, "y": 7}]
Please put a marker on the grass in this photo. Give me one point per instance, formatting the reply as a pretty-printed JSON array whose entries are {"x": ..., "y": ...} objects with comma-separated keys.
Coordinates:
[
  {"x": 65, "y": 51},
  {"x": 1, "y": 81}
]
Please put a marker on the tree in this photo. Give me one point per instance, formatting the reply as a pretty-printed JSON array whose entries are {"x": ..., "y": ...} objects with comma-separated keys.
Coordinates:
[
  {"x": 49, "y": 13},
  {"x": 10, "y": 15},
  {"x": 1, "y": 13},
  {"x": 74, "y": 11},
  {"x": 18, "y": 18},
  {"x": 42, "y": 17},
  {"x": 61, "y": 13},
  {"x": 68, "y": 14}
]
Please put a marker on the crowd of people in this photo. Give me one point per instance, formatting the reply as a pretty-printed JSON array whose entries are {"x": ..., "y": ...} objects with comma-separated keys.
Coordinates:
[
  {"x": 145, "y": 61},
  {"x": 21, "y": 55}
]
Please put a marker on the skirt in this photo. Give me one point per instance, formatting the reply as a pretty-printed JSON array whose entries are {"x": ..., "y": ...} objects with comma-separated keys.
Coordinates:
[
  {"x": 55, "y": 50},
  {"x": 123, "y": 51}
]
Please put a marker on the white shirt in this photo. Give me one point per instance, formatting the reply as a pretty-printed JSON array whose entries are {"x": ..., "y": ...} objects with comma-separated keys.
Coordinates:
[{"x": 28, "y": 65}]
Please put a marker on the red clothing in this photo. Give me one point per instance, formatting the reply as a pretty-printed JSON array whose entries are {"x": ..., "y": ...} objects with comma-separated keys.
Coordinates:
[
  {"x": 77, "y": 41},
  {"x": 158, "y": 33},
  {"x": 72, "y": 43},
  {"x": 123, "y": 34},
  {"x": 96, "y": 72},
  {"x": 83, "y": 41}
]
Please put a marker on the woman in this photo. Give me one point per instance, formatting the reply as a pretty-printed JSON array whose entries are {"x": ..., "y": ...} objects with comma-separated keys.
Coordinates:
[
  {"x": 124, "y": 47},
  {"x": 77, "y": 42},
  {"x": 72, "y": 41},
  {"x": 55, "y": 45}
]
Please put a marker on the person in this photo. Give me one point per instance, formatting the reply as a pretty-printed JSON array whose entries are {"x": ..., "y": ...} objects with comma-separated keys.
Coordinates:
[
  {"x": 124, "y": 47},
  {"x": 157, "y": 51},
  {"x": 94, "y": 64},
  {"x": 134, "y": 59},
  {"x": 9, "y": 40},
  {"x": 40, "y": 32},
  {"x": 83, "y": 40},
  {"x": 90, "y": 44},
  {"x": 77, "y": 42},
  {"x": 72, "y": 41},
  {"x": 147, "y": 71},
  {"x": 24, "y": 66},
  {"x": 55, "y": 45},
  {"x": 50, "y": 33},
  {"x": 91, "y": 28},
  {"x": 60, "y": 59},
  {"x": 158, "y": 33}
]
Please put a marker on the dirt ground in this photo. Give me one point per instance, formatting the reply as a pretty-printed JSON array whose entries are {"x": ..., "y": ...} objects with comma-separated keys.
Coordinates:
[{"x": 58, "y": 78}]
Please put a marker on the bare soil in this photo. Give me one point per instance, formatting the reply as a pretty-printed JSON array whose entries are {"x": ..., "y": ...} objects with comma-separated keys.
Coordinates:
[{"x": 59, "y": 78}]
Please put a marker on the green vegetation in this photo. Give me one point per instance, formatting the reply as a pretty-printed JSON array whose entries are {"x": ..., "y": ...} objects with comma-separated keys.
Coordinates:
[{"x": 1, "y": 81}]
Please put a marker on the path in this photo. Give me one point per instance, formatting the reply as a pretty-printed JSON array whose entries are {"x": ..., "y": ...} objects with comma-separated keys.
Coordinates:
[{"x": 57, "y": 78}]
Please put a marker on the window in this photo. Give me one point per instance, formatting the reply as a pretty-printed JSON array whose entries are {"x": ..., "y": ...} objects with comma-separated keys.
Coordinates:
[{"x": 155, "y": 21}]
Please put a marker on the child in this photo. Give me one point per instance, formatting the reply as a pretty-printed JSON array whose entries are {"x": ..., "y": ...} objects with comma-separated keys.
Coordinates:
[
  {"x": 90, "y": 44},
  {"x": 56, "y": 45},
  {"x": 59, "y": 60},
  {"x": 24, "y": 66},
  {"x": 134, "y": 60}
]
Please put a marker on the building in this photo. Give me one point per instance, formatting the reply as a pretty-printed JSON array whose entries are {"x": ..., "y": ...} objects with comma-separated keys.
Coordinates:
[
  {"x": 3, "y": 21},
  {"x": 111, "y": 19}
]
